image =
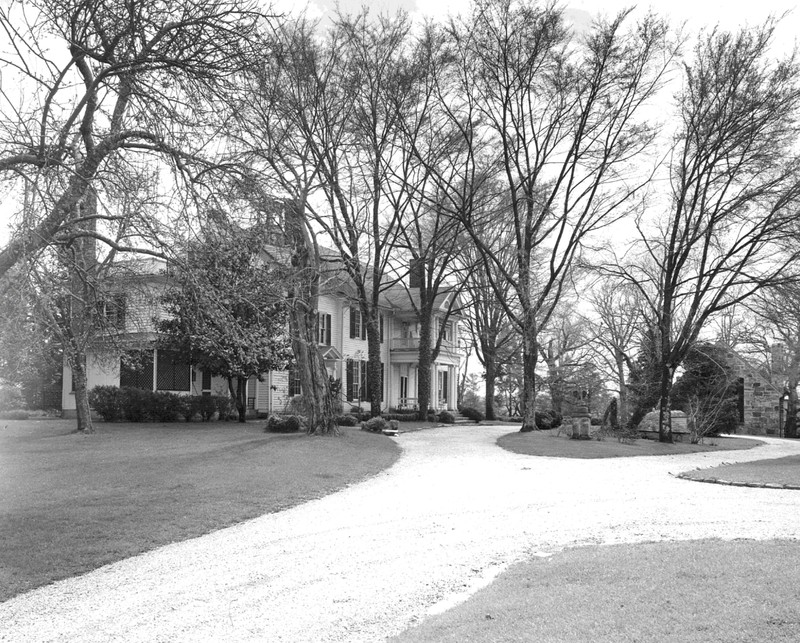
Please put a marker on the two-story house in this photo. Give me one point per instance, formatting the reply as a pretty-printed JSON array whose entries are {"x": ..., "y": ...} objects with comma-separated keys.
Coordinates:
[{"x": 132, "y": 359}]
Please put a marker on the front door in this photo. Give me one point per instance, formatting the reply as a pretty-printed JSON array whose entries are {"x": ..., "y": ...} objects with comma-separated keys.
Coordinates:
[{"x": 442, "y": 388}]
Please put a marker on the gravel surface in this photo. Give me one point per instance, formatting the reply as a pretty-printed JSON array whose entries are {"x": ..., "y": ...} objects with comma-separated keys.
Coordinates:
[{"x": 369, "y": 561}]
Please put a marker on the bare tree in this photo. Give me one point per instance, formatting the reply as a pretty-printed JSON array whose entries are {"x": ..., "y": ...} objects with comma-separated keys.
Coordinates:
[
  {"x": 735, "y": 192},
  {"x": 325, "y": 125},
  {"x": 95, "y": 88},
  {"x": 562, "y": 113},
  {"x": 618, "y": 319},
  {"x": 779, "y": 307},
  {"x": 564, "y": 348}
]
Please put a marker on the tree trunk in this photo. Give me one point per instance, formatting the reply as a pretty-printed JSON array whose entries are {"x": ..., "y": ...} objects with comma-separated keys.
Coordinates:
[
  {"x": 622, "y": 413},
  {"x": 239, "y": 395},
  {"x": 529, "y": 359},
  {"x": 790, "y": 427},
  {"x": 304, "y": 299},
  {"x": 83, "y": 411},
  {"x": 491, "y": 376},
  {"x": 664, "y": 405},
  {"x": 374, "y": 369},
  {"x": 424, "y": 370}
]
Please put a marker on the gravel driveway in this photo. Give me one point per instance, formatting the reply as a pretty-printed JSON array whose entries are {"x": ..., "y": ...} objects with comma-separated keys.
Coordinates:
[{"x": 367, "y": 562}]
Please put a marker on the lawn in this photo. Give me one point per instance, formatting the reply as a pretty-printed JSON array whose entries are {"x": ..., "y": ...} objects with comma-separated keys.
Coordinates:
[
  {"x": 70, "y": 503},
  {"x": 549, "y": 443},
  {"x": 780, "y": 471},
  {"x": 694, "y": 592}
]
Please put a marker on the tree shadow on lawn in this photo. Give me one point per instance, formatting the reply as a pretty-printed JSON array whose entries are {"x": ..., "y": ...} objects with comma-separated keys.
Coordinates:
[
  {"x": 70, "y": 503},
  {"x": 550, "y": 444}
]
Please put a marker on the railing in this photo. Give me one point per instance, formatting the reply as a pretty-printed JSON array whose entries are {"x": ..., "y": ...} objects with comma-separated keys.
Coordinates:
[
  {"x": 412, "y": 344},
  {"x": 407, "y": 403}
]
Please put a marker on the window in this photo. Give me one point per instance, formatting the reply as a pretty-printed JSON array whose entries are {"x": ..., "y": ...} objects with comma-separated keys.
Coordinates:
[
  {"x": 136, "y": 370},
  {"x": 358, "y": 329},
  {"x": 357, "y": 380},
  {"x": 448, "y": 332},
  {"x": 113, "y": 310},
  {"x": 173, "y": 373},
  {"x": 324, "y": 329},
  {"x": 294, "y": 382}
]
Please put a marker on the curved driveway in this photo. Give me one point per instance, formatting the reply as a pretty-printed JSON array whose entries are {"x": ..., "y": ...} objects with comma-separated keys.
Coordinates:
[{"x": 368, "y": 561}]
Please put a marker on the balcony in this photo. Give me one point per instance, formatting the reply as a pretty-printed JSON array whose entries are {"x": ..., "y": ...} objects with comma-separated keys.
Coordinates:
[{"x": 411, "y": 345}]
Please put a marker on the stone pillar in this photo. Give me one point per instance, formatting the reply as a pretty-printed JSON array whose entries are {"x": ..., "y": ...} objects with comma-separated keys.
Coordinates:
[{"x": 581, "y": 422}]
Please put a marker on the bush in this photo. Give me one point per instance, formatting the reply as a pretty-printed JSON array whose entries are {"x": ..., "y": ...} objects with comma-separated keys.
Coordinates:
[
  {"x": 135, "y": 404},
  {"x": 346, "y": 420},
  {"x": 284, "y": 424},
  {"x": 447, "y": 417},
  {"x": 203, "y": 405},
  {"x": 223, "y": 405},
  {"x": 596, "y": 421},
  {"x": 544, "y": 421},
  {"x": 107, "y": 402},
  {"x": 401, "y": 416},
  {"x": 164, "y": 406},
  {"x": 472, "y": 414},
  {"x": 11, "y": 399},
  {"x": 376, "y": 425},
  {"x": 16, "y": 414}
]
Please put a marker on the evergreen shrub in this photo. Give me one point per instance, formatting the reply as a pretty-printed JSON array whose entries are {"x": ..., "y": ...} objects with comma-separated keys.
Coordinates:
[
  {"x": 447, "y": 418},
  {"x": 284, "y": 424},
  {"x": 472, "y": 413}
]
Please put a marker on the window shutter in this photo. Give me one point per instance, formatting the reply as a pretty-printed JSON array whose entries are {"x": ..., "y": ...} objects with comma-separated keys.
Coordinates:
[
  {"x": 381, "y": 322},
  {"x": 352, "y": 322},
  {"x": 382, "y": 379},
  {"x": 317, "y": 328},
  {"x": 363, "y": 379},
  {"x": 120, "y": 303},
  {"x": 350, "y": 364},
  {"x": 327, "y": 330},
  {"x": 363, "y": 326}
]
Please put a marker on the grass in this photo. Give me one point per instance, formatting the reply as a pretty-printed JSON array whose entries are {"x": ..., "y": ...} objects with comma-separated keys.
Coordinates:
[
  {"x": 70, "y": 503},
  {"x": 550, "y": 444},
  {"x": 781, "y": 471},
  {"x": 693, "y": 592}
]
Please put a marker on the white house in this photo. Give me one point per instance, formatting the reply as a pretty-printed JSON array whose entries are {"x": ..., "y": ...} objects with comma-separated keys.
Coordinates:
[{"x": 132, "y": 360}]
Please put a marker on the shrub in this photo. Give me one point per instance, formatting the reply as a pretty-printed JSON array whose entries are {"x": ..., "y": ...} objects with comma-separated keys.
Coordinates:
[
  {"x": 16, "y": 414},
  {"x": 596, "y": 421},
  {"x": 224, "y": 406},
  {"x": 472, "y": 413},
  {"x": 107, "y": 402},
  {"x": 135, "y": 404},
  {"x": 447, "y": 417},
  {"x": 544, "y": 420},
  {"x": 401, "y": 416},
  {"x": 11, "y": 399},
  {"x": 346, "y": 420},
  {"x": 204, "y": 405},
  {"x": 376, "y": 425},
  {"x": 164, "y": 406},
  {"x": 284, "y": 424}
]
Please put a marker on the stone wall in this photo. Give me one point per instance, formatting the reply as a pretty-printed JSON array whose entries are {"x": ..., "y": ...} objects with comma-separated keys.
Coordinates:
[{"x": 761, "y": 399}]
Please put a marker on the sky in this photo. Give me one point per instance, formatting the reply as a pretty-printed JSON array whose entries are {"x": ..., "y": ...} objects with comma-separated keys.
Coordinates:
[{"x": 694, "y": 13}]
